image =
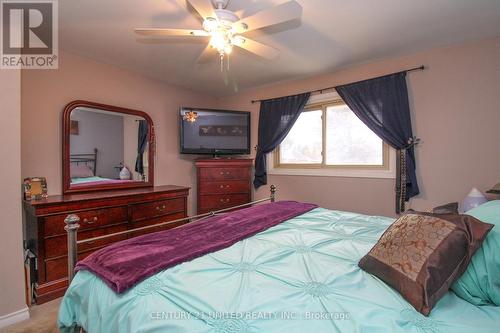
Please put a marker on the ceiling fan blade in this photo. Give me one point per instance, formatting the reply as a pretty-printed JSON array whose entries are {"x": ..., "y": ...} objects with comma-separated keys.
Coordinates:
[
  {"x": 259, "y": 49},
  {"x": 171, "y": 32},
  {"x": 282, "y": 13},
  {"x": 207, "y": 55},
  {"x": 203, "y": 7}
]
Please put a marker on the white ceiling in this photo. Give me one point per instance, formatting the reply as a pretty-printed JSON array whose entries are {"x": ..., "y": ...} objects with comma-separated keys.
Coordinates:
[{"x": 332, "y": 34}]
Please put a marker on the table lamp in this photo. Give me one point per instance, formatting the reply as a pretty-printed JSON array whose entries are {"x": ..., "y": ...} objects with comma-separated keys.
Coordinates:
[{"x": 472, "y": 200}]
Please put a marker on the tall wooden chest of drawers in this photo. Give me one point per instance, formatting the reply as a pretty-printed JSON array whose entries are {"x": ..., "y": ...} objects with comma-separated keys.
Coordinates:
[
  {"x": 223, "y": 183},
  {"x": 101, "y": 213}
]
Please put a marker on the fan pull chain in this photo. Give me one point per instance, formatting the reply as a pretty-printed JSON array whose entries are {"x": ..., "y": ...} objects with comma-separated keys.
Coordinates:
[{"x": 222, "y": 62}]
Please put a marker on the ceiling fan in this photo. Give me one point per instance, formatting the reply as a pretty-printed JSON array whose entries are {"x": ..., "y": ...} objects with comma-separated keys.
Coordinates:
[{"x": 225, "y": 29}]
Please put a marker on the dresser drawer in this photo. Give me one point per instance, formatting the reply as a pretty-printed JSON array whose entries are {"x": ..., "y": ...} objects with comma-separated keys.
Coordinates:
[
  {"x": 156, "y": 208},
  {"x": 214, "y": 202},
  {"x": 54, "y": 225},
  {"x": 58, "y": 246},
  {"x": 158, "y": 220},
  {"x": 225, "y": 187},
  {"x": 224, "y": 173},
  {"x": 58, "y": 268}
]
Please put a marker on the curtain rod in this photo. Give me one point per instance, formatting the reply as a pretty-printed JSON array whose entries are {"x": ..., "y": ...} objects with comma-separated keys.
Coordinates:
[{"x": 419, "y": 68}]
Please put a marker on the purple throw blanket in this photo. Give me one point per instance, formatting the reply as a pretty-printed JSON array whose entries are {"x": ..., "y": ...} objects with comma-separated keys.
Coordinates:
[{"x": 124, "y": 264}]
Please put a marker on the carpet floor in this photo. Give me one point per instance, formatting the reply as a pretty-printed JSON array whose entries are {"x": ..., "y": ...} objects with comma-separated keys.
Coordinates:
[{"x": 43, "y": 319}]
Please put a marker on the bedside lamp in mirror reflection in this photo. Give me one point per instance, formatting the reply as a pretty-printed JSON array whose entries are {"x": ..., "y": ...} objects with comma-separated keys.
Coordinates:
[{"x": 472, "y": 200}]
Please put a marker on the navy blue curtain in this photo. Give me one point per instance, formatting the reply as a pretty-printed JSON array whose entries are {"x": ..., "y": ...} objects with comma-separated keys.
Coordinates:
[
  {"x": 276, "y": 118},
  {"x": 382, "y": 105},
  {"x": 142, "y": 141}
]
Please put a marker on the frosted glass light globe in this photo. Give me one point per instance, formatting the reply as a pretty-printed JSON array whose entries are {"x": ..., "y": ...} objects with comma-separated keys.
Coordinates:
[{"x": 472, "y": 200}]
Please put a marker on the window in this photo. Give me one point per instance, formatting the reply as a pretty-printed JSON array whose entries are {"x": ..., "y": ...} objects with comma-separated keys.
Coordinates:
[
  {"x": 303, "y": 144},
  {"x": 329, "y": 136},
  {"x": 349, "y": 141}
]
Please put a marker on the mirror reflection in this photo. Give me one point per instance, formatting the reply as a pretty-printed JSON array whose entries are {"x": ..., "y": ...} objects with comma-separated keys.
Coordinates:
[{"x": 107, "y": 147}]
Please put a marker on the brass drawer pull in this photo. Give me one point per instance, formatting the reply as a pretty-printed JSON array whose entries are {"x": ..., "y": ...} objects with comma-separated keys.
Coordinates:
[
  {"x": 227, "y": 173},
  {"x": 225, "y": 200},
  {"x": 159, "y": 208},
  {"x": 90, "y": 221}
]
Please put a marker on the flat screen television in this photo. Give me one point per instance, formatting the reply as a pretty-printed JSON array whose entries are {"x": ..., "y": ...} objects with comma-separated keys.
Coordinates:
[{"x": 215, "y": 132}]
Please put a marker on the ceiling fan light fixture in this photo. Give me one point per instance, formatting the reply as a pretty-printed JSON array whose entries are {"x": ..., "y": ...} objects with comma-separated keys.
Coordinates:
[
  {"x": 221, "y": 32},
  {"x": 243, "y": 26},
  {"x": 238, "y": 40},
  {"x": 190, "y": 116},
  {"x": 210, "y": 24},
  {"x": 224, "y": 28},
  {"x": 219, "y": 40}
]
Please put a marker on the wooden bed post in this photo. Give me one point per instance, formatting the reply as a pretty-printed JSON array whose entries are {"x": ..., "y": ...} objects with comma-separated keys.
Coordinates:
[
  {"x": 72, "y": 230},
  {"x": 273, "y": 193}
]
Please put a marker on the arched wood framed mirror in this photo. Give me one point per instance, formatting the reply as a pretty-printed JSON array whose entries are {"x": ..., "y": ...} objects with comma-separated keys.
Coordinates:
[{"x": 106, "y": 147}]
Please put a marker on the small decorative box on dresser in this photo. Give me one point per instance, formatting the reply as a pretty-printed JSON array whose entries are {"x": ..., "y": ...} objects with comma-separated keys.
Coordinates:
[
  {"x": 223, "y": 183},
  {"x": 101, "y": 213}
]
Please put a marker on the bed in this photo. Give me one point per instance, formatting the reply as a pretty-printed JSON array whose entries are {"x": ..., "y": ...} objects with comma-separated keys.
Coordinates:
[
  {"x": 300, "y": 275},
  {"x": 88, "y": 160},
  {"x": 83, "y": 169},
  {"x": 95, "y": 180}
]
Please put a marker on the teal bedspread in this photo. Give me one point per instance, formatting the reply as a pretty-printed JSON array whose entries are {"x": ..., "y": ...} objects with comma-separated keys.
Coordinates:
[
  {"x": 299, "y": 276},
  {"x": 87, "y": 180}
]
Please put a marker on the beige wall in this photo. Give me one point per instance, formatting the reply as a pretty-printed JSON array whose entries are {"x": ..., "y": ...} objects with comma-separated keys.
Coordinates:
[
  {"x": 11, "y": 253},
  {"x": 456, "y": 111},
  {"x": 46, "y": 92}
]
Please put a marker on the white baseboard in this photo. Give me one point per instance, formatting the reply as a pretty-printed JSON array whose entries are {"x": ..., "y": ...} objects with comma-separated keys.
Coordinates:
[{"x": 14, "y": 317}]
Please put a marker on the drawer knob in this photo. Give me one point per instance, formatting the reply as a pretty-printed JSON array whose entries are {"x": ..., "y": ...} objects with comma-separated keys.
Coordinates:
[
  {"x": 225, "y": 200},
  {"x": 90, "y": 221}
]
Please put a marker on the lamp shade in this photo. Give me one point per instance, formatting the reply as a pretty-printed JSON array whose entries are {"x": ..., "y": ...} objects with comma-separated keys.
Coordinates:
[{"x": 472, "y": 200}]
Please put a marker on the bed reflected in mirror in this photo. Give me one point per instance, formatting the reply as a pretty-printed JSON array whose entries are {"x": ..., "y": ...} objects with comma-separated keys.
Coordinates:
[{"x": 106, "y": 147}]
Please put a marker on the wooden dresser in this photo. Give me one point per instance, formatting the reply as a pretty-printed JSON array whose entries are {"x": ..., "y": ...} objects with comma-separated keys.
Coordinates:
[
  {"x": 223, "y": 183},
  {"x": 100, "y": 213}
]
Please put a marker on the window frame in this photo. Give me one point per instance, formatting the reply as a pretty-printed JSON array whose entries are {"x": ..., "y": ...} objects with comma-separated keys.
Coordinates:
[{"x": 386, "y": 170}]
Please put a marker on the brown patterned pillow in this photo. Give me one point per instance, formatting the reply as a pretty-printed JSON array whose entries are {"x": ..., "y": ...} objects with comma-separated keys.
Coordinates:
[{"x": 422, "y": 254}]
